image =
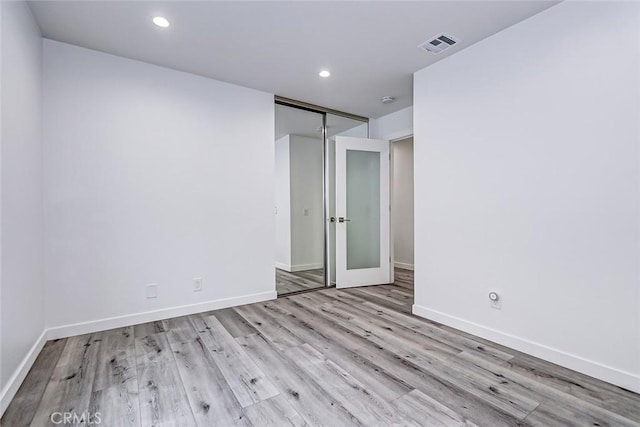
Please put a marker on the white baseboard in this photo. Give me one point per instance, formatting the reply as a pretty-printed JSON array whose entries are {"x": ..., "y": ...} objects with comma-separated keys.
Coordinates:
[
  {"x": 298, "y": 267},
  {"x": 403, "y": 265},
  {"x": 594, "y": 369},
  {"x": 303, "y": 267},
  {"x": 13, "y": 384},
  {"x": 151, "y": 316},
  {"x": 282, "y": 266}
]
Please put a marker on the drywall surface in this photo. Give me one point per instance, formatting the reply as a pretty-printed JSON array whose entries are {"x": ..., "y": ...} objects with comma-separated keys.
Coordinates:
[
  {"x": 299, "y": 203},
  {"x": 395, "y": 125},
  {"x": 152, "y": 176},
  {"x": 307, "y": 241},
  {"x": 402, "y": 203},
  {"x": 22, "y": 282},
  {"x": 283, "y": 204},
  {"x": 527, "y": 182}
]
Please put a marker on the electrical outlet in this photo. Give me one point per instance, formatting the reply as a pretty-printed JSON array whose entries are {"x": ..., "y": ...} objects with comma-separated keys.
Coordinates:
[
  {"x": 197, "y": 284},
  {"x": 495, "y": 300},
  {"x": 152, "y": 290}
]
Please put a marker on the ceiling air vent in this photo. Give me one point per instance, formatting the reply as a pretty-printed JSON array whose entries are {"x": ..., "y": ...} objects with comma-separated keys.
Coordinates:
[{"x": 439, "y": 43}]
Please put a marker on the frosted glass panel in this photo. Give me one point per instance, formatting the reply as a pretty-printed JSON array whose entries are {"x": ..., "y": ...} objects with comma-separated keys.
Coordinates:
[{"x": 363, "y": 209}]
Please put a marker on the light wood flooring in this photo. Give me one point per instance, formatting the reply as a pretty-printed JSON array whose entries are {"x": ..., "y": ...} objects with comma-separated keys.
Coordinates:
[
  {"x": 331, "y": 357},
  {"x": 290, "y": 282}
]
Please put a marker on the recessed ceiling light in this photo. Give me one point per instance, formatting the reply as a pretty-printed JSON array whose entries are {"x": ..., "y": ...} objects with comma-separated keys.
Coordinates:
[
  {"x": 161, "y": 21},
  {"x": 387, "y": 99},
  {"x": 324, "y": 73}
]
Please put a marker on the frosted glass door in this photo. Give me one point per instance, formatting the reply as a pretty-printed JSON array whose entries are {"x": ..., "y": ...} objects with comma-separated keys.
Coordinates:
[{"x": 362, "y": 209}]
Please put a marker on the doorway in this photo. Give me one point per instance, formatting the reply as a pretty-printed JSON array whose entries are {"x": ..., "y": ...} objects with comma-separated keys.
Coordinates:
[
  {"x": 402, "y": 203},
  {"x": 402, "y": 208}
]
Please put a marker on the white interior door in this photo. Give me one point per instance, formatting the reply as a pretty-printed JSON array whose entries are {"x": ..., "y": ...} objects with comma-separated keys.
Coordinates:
[{"x": 362, "y": 212}]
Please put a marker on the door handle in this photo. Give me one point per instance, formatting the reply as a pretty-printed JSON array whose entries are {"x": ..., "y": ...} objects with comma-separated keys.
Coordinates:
[{"x": 341, "y": 219}]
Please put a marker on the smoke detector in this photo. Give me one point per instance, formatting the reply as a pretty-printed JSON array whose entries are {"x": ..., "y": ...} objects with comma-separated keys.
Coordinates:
[
  {"x": 439, "y": 43},
  {"x": 387, "y": 99}
]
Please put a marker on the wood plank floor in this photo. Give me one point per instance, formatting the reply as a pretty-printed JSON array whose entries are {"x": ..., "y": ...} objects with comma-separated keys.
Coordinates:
[
  {"x": 290, "y": 282},
  {"x": 331, "y": 357}
]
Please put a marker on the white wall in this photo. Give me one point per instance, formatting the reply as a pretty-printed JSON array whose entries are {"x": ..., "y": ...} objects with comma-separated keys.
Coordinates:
[
  {"x": 402, "y": 203},
  {"x": 152, "y": 176},
  {"x": 22, "y": 284},
  {"x": 527, "y": 182},
  {"x": 306, "y": 203},
  {"x": 283, "y": 204},
  {"x": 359, "y": 131},
  {"x": 395, "y": 125},
  {"x": 299, "y": 203}
]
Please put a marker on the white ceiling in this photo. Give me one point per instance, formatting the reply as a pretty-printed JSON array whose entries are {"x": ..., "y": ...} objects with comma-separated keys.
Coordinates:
[{"x": 279, "y": 47}]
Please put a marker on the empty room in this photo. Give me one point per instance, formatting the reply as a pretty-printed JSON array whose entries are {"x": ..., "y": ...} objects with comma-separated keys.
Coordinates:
[{"x": 320, "y": 213}]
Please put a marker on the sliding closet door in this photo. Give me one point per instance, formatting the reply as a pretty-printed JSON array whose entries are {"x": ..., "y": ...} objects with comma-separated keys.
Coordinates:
[{"x": 299, "y": 210}]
